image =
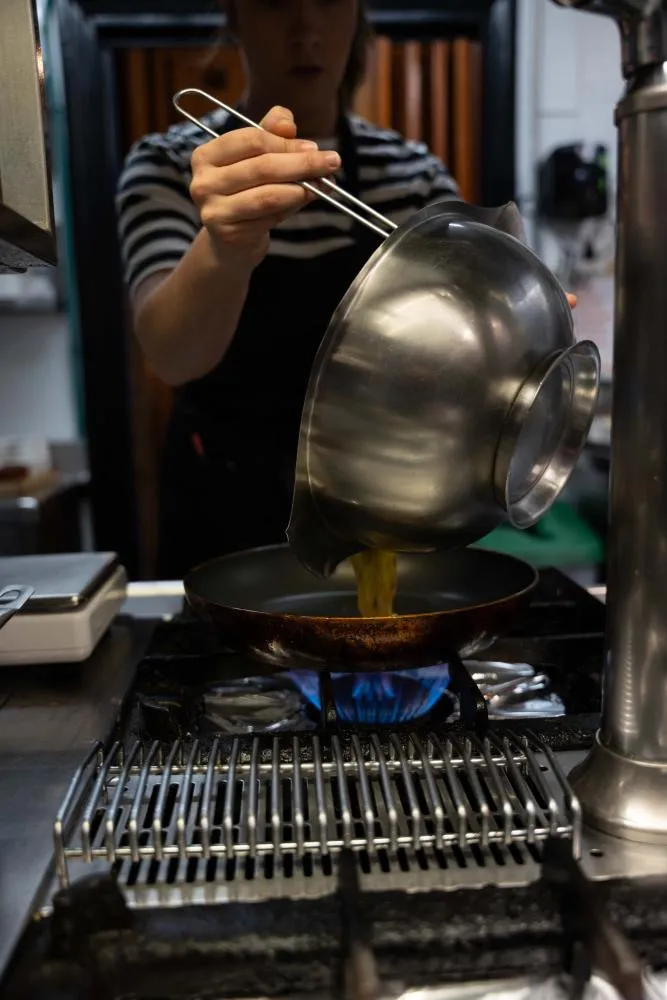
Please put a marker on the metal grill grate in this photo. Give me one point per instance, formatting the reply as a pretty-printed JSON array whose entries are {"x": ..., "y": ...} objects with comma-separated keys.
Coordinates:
[{"x": 258, "y": 810}]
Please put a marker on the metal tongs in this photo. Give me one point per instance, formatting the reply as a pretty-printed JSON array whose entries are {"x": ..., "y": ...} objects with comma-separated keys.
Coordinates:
[{"x": 382, "y": 226}]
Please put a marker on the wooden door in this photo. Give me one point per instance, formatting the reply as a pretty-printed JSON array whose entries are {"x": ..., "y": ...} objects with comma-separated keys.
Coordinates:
[
  {"x": 407, "y": 83},
  {"x": 373, "y": 99},
  {"x": 437, "y": 70},
  {"x": 466, "y": 117},
  {"x": 150, "y": 77},
  {"x": 430, "y": 92}
]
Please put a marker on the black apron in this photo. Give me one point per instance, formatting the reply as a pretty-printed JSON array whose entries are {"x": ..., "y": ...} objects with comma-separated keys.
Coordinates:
[{"x": 230, "y": 453}]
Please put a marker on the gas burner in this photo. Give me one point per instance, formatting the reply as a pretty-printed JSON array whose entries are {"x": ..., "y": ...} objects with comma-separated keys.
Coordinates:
[
  {"x": 472, "y": 692},
  {"x": 381, "y": 699},
  {"x": 515, "y": 690},
  {"x": 255, "y": 705},
  {"x": 511, "y": 691},
  {"x": 231, "y": 707}
]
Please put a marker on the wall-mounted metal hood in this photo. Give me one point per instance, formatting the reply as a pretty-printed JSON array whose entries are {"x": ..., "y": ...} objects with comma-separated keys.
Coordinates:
[{"x": 27, "y": 233}]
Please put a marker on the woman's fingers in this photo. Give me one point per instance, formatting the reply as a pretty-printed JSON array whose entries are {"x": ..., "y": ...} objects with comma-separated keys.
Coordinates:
[
  {"x": 244, "y": 143},
  {"x": 241, "y": 144},
  {"x": 251, "y": 231},
  {"x": 279, "y": 121},
  {"x": 264, "y": 202},
  {"x": 252, "y": 158},
  {"x": 246, "y": 182},
  {"x": 273, "y": 168},
  {"x": 571, "y": 300}
]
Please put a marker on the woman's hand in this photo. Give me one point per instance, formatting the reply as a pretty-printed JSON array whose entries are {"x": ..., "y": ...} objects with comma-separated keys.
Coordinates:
[
  {"x": 244, "y": 184},
  {"x": 571, "y": 300}
]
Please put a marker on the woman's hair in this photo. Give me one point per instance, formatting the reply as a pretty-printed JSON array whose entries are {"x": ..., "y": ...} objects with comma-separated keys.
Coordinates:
[{"x": 356, "y": 64}]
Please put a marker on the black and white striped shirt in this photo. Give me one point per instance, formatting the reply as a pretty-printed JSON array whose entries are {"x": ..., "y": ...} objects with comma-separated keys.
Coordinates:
[{"x": 158, "y": 221}]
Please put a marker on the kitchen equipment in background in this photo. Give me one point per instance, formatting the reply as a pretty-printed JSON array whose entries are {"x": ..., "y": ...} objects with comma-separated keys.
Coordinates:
[
  {"x": 573, "y": 207},
  {"x": 573, "y": 186},
  {"x": 27, "y": 231},
  {"x": 48, "y": 516},
  {"x": 73, "y": 600},
  {"x": 34, "y": 291},
  {"x": 42, "y": 501},
  {"x": 24, "y": 461},
  {"x": 264, "y": 604}
]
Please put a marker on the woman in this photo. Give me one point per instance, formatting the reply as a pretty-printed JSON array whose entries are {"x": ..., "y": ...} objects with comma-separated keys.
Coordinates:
[{"x": 234, "y": 270}]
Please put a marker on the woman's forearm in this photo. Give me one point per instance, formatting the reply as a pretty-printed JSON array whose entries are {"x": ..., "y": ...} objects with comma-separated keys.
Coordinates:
[
  {"x": 244, "y": 183},
  {"x": 186, "y": 323}
]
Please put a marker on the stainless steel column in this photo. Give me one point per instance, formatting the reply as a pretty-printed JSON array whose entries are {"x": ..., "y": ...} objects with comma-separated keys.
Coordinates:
[{"x": 623, "y": 783}]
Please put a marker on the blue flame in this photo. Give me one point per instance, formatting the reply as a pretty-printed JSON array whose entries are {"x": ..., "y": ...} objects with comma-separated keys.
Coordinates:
[{"x": 379, "y": 699}]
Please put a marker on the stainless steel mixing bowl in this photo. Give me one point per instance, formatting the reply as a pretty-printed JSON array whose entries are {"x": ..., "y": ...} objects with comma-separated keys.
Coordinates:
[{"x": 449, "y": 394}]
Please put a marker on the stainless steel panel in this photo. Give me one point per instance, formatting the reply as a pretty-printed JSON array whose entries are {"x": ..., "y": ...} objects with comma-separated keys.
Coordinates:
[
  {"x": 635, "y": 718},
  {"x": 27, "y": 234},
  {"x": 623, "y": 783}
]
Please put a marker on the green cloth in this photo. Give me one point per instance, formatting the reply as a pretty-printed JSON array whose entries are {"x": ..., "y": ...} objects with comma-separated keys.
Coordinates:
[{"x": 561, "y": 538}]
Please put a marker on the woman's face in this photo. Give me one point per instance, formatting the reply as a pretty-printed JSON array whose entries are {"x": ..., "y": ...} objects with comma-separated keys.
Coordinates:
[{"x": 296, "y": 51}]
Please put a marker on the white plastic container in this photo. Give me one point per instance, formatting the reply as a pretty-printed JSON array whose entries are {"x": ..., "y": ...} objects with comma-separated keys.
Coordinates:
[{"x": 76, "y": 597}]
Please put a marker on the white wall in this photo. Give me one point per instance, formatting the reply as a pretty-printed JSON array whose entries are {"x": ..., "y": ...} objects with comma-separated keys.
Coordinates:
[
  {"x": 36, "y": 388},
  {"x": 569, "y": 80}
]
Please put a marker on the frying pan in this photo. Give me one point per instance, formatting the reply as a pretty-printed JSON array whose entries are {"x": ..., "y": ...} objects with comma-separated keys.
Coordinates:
[{"x": 265, "y": 605}]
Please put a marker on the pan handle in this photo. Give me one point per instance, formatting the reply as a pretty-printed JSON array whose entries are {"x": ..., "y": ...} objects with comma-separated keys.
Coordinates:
[{"x": 12, "y": 599}]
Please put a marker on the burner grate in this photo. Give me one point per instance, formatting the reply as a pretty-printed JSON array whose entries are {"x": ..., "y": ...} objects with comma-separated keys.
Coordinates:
[{"x": 277, "y": 811}]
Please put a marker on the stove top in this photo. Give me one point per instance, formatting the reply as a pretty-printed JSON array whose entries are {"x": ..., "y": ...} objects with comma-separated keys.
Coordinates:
[
  {"x": 546, "y": 670},
  {"x": 391, "y": 837}
]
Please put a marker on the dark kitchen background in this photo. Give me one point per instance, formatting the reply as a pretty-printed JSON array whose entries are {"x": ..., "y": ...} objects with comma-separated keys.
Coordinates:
[{"x": 493, "y": 86}]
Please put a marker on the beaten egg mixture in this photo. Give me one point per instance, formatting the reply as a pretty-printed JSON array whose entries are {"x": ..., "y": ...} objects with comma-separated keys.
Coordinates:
[{"x": 376, "y": 574}]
